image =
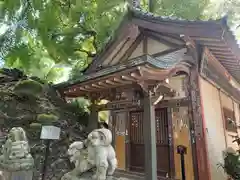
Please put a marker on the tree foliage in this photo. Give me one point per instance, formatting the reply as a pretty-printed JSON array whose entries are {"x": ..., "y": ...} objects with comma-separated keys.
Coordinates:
[
  {"x": 46, "y": 36},
  {"x": 187, "y": 9},
  {"x": 231, "y": 163},
  {"x": 50, "y": 39}
]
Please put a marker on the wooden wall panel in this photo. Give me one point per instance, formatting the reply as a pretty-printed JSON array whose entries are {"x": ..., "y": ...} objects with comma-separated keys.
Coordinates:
[
  {"x": 156, "y": 46},
  {"x": 120, "y": 128},
  {"x": 181, "y": 136},
  {"x": 215, "y": 133}
]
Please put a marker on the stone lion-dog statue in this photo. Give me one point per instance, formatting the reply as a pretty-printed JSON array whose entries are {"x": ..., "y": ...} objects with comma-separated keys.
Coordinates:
[{"x": 96, "y": 152}]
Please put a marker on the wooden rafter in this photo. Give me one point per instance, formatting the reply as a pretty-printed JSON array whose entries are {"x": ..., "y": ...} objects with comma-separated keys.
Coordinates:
[
  {"x": 109, "y": 60},
  {"x": 128, "y": 78},
  {"x": 131, "y": 49},
  {"x": 164, "y": 39},
  {"x": 112, "y": 82},
  {"x": 120, "y": 80}
]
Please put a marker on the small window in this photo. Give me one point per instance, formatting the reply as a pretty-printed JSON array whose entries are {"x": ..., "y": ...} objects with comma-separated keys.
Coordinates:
[{"x": 230, "y": 120}]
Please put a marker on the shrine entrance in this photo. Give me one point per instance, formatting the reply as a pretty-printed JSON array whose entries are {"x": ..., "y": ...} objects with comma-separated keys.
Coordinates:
[
  {"x": 137, "y": 142},
  {"x": 141, "y": 94}
]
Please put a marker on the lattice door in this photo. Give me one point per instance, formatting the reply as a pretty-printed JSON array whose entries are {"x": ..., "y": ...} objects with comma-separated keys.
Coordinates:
[{"x": 137, "y": 141}]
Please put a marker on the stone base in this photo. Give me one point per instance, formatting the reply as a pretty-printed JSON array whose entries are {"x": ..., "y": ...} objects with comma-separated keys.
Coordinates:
[
  {"x": 13, "y": 165},
  {"x": 19, "y": 175},
  {"x": 86, "y": 176}
]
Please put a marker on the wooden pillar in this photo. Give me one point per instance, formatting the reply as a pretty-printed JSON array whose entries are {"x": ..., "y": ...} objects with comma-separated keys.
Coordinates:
[
  {"x": 112, "y": 123},
  {"x": 199, "y": 127},
  {"x": 149, "y": 133},
  {"x": 93, "y": 118}
]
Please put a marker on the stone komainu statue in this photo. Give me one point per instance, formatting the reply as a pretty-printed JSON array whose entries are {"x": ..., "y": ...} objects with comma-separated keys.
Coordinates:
[
  {"x": 16, "y": 152},
  {"x": 97, "y": 153},
  {"x": 16, "y": 145}
]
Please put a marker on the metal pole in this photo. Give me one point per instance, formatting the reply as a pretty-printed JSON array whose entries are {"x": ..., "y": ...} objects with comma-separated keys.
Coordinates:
[
  {"x": 183, "y": 167},
  {"x": 182, "y": 150},
  {"x": 45, "y": 159}
]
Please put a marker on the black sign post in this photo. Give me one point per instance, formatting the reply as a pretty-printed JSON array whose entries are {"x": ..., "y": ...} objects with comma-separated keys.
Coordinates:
[
  {"x": 182, "y": 150},
  {"x": 45, "y": 159},
  {"x": 48, "y": 133}
]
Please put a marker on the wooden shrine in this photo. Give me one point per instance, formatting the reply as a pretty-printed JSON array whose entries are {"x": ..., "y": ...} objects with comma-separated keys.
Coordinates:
[{"x": 149, "y": 73}]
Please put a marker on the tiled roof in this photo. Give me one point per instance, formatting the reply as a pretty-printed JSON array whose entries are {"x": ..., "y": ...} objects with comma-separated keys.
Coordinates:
[
  {"x": 150, "y": 16},
  {"x": 214, "y": 34},
  {"x": 217, "y": 37}
]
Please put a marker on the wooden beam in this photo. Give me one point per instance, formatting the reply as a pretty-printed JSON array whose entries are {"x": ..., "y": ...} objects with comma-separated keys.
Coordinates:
[
  {"x": 74, "y": 89},
  {"x": 205, "y": 39},
  {"x": 175, "y": 37},
  {"x": 225, "y": 64},
  {"x": 136, "y": 76},
  {"x": 121, "y": 53},
  {"x": 103, "y": 84},
  {"x": 194, "y": 29},
  {"x": 229, "y": 62},
  {"x": 224, "y": 56},
  {"x": 212, "y": 44},
  {"x": 153, "y": 74},
  {"x": 119, "y": 50},
  {"x": 168, "y": 51},
  {"x": 82, "y": 89},
  {"x": 129, "y": 78},
  {"x": 221, "y": 51},
  {"x": 212, "y": 48},
  {"x": 97, "y": 86},
  {"x": 118, "y": 80},
  {"x": 234, "y": 69},
  {"x": 145, "y": 45},
  {"x": 88, "y": 87},
  {"x": 132, "y": 48},
  {"x": 162, "y": 40},
  {"x": 149, "y": 133},
  {"x": 229, "y": 54},
  {"x": 112, "y": 83},
  {"x": 226, "y": 60},
  {"x": 171, "y": 103},
  {"x": 199, "y": 126}
]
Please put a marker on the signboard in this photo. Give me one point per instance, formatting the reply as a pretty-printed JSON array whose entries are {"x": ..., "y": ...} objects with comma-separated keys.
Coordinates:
[{"x": 50, "y": 132}]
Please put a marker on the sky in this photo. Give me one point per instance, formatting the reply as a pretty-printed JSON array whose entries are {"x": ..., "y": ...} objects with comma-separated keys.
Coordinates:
[{"x": 3, "y": 28}]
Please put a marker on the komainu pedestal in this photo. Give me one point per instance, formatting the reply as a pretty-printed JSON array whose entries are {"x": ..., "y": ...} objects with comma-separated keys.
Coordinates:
[
  {"x": 16, "y": 161},
  {"x": 94, "y": 159}
]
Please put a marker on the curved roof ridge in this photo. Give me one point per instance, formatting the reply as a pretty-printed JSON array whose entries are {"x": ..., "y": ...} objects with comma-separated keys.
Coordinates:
[{"x": 137, "y": 12}]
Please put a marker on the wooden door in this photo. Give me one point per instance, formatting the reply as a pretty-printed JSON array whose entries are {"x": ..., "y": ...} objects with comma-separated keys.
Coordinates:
[
  {"x": 181, "y": 136},
  {"x": 137, "y": 143},
  {"x": 120, "y": 119}
]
